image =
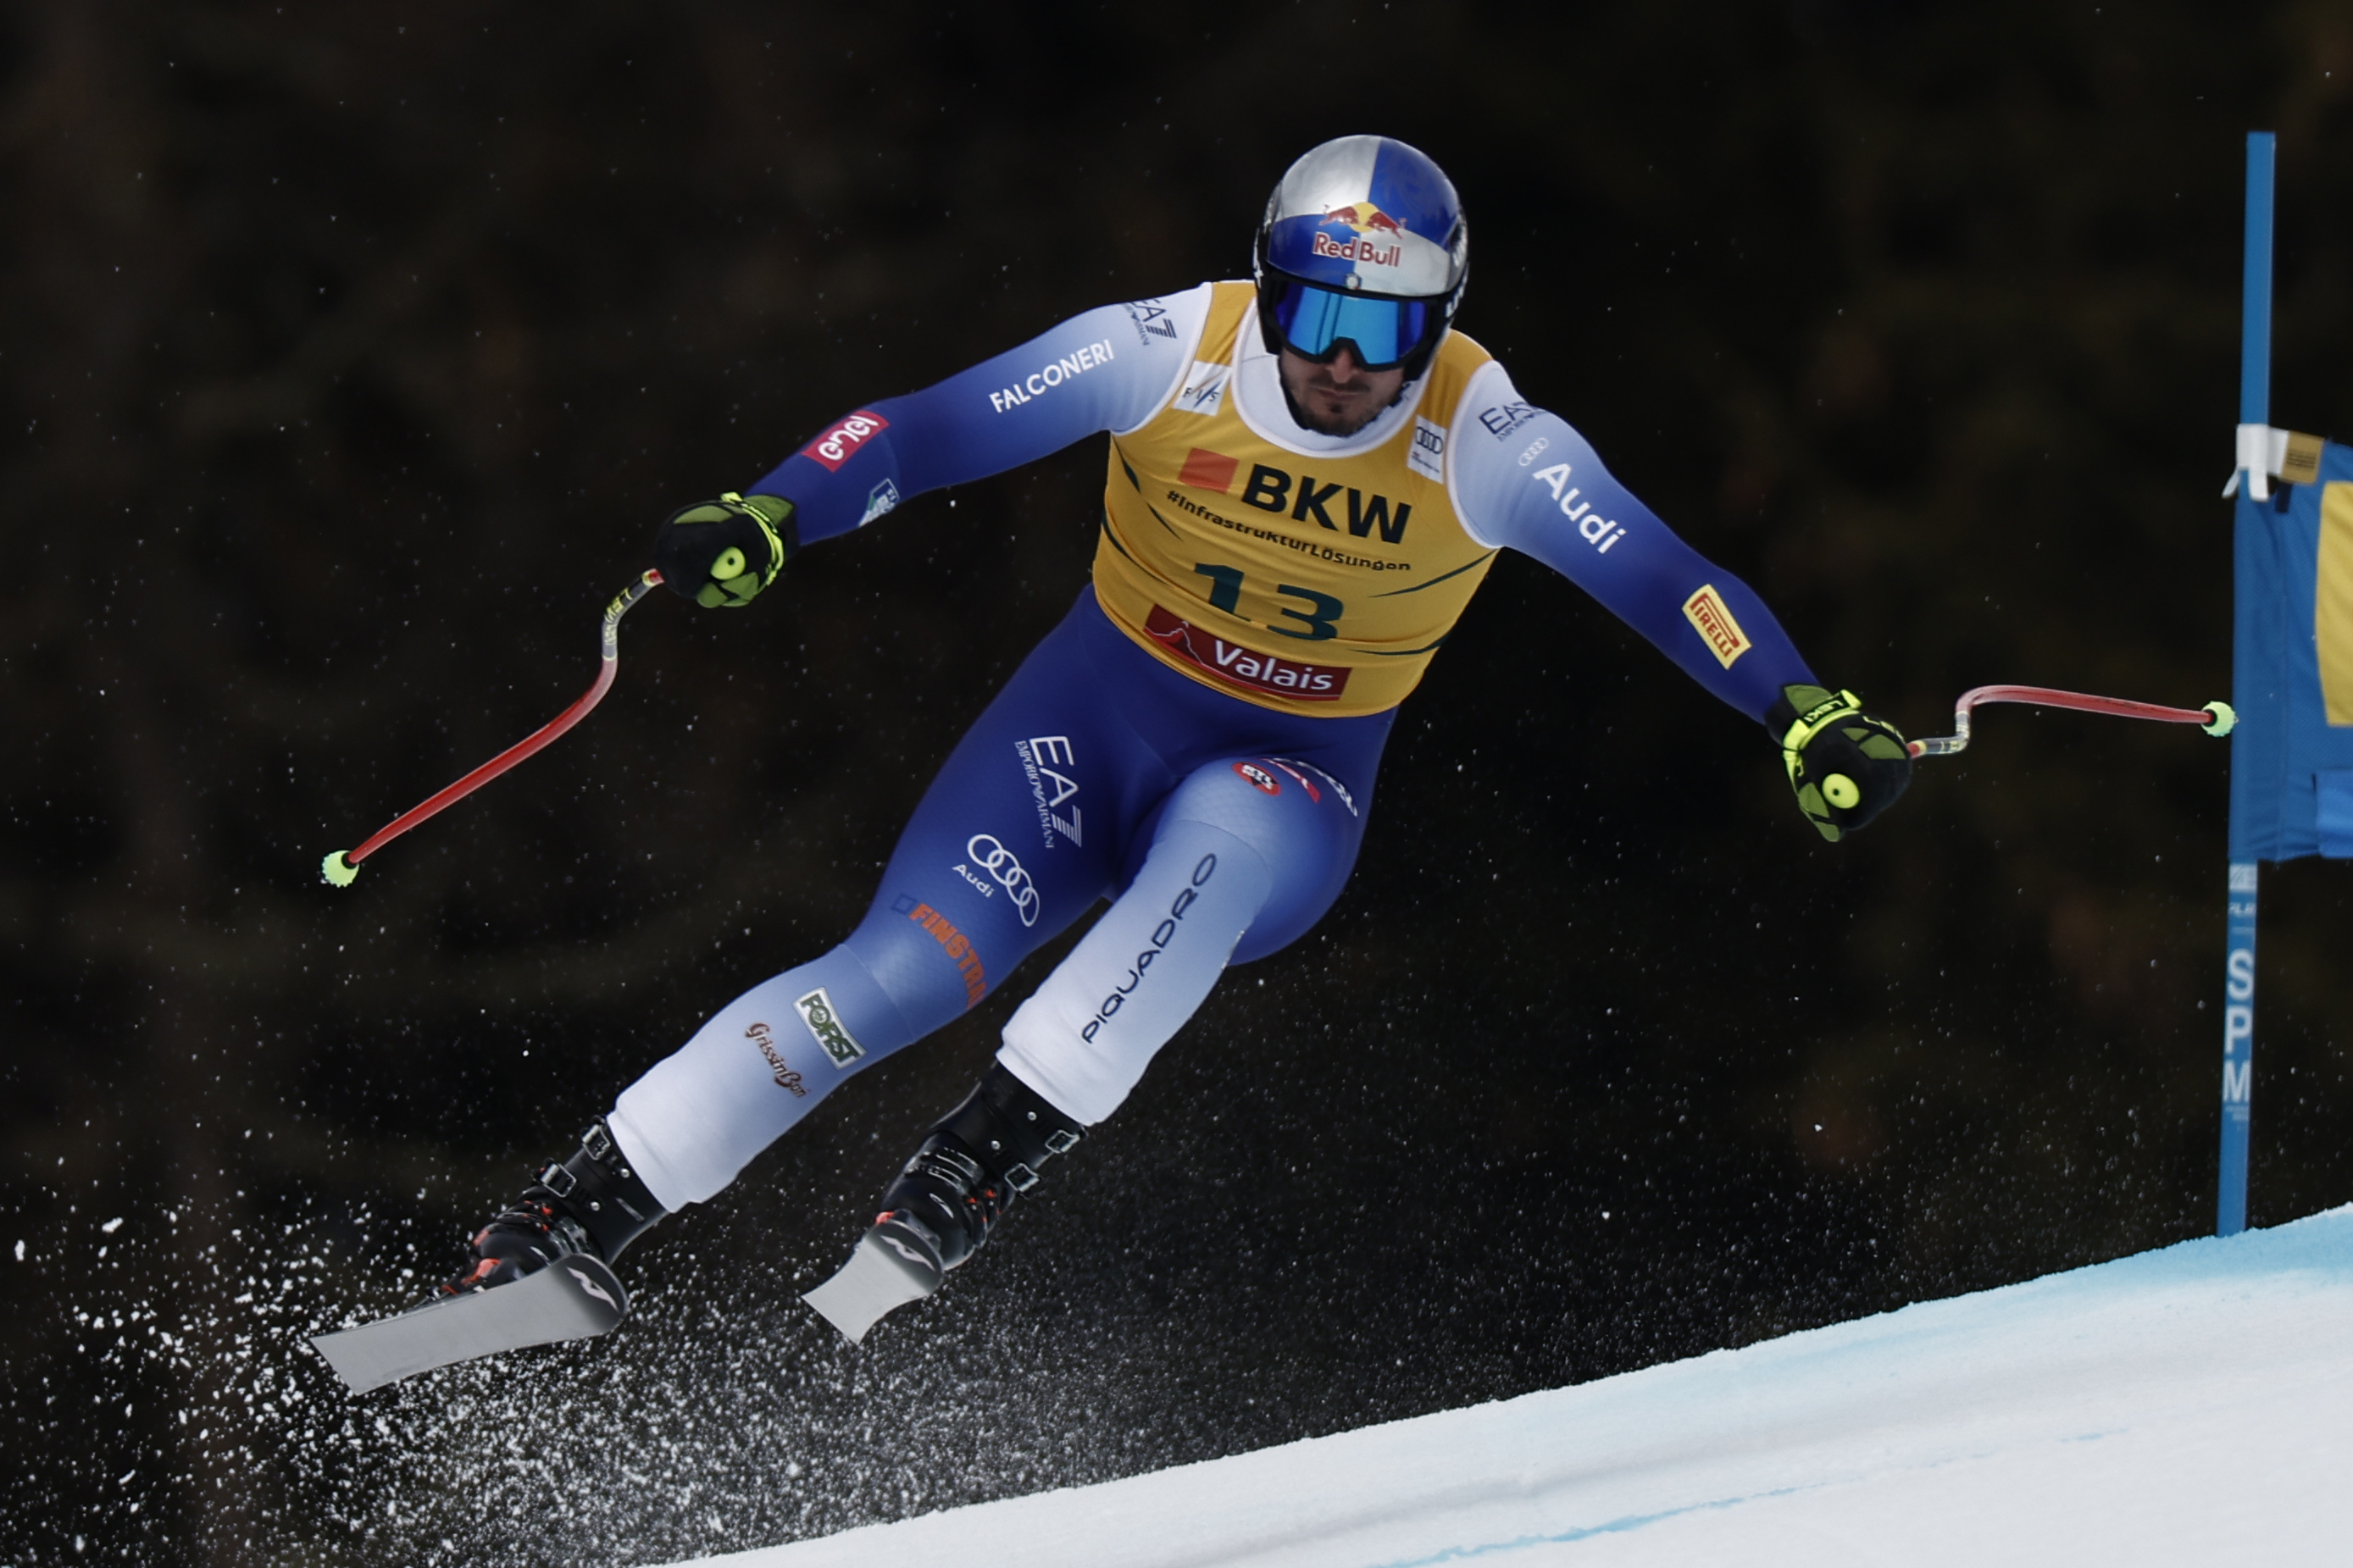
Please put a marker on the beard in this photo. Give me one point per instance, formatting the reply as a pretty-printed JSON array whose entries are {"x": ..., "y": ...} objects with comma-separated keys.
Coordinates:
[{"x": 1337, "y": 425}]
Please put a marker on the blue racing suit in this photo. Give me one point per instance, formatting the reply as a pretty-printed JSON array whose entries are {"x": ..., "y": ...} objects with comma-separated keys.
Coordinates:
[{"x": 1220, "y": 816}]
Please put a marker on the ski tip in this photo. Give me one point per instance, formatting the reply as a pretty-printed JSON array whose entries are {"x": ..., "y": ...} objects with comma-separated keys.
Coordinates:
[
  {"x": 574, "y": 1297},
  {"x": 875, "y": 1282},
  {"x": 338, "y": 872},
  {"x": 359, "y": 1376}
]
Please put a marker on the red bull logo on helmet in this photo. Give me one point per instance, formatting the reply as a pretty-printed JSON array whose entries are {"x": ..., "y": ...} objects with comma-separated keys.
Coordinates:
[
  {"x": 1365, "y": 223},
  {"x": 1365, "y": 219}
]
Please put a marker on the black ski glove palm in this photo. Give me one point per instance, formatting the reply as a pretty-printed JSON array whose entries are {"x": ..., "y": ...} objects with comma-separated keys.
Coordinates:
[
  {"x": 723, "y": 551},
  {"x": 1846, "y": 766}
]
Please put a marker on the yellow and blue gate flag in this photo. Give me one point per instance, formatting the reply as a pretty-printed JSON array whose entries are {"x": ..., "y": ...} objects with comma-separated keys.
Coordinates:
[{"x": 2292, "y": 756}]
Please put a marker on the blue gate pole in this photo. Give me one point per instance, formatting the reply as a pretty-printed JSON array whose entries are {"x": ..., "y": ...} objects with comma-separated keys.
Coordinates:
[
  {"x": 2238, "y": 1049},
  {"x": 2239, "y": 961}
]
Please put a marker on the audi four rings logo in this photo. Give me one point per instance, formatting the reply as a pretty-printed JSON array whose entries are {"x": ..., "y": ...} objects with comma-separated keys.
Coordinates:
[{"x": 998, "y": 861}]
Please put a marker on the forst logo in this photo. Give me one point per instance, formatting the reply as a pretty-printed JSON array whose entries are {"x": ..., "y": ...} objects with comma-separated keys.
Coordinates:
[
  {"x": 1364, "y": 221},
  {"x": 825, "y": 1027},
  {"x": 840, "y": 441}
]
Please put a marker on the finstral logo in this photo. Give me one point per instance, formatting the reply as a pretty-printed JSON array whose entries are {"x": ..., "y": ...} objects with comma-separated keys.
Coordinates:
[
  {"x": 780, "y": 1070},
  {"x": 954, "y": 943},
  {"x": 839, "y": 442},
  {"x": 824, "y": 1023}
]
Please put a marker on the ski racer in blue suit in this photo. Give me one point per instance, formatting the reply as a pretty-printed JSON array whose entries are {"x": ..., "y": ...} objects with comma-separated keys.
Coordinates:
[{"x": 1308, "y": 475}]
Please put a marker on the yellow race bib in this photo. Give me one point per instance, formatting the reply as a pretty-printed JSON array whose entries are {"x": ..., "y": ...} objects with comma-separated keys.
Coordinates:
[{"x": 1309, "y": 583}]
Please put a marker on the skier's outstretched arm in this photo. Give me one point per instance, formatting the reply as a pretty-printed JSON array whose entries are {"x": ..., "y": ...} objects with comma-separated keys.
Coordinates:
[
  {"x": 1523, "y": 477},
  {"x": 1105, "y": 369}
]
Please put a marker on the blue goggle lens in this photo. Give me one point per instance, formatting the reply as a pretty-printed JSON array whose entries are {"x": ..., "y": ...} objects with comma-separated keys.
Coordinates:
[{"x": 1383, "y": 332}]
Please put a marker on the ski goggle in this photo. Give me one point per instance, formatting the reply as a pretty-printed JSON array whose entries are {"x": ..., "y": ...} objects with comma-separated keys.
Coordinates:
[{"x": 1383, "y": 332}]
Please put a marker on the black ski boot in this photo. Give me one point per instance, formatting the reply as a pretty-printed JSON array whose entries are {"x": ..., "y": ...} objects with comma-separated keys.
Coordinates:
[
  {"x": 591, "y": 1203},
  {"x": 939, "y": 1211}
]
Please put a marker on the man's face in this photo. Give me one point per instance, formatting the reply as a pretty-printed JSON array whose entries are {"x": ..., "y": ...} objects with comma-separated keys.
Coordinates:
[{"x": 1340, "y": 398}]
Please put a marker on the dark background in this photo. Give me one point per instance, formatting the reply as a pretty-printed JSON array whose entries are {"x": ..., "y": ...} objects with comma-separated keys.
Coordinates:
[{"x": 349, "y": 355}]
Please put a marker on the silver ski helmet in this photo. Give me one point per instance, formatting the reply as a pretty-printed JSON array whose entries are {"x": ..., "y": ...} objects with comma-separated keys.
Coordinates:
[{"x": 1363, "y": 243}]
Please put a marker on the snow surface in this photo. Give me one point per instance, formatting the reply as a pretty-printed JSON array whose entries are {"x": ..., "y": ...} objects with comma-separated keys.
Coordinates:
[{"x": 2190, "y": 1406}]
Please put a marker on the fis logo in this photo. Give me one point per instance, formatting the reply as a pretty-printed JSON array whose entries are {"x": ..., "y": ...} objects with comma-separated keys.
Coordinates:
[
  {"x": 882, "y": 498},
  {"x": 817, "y": 1010},
  {"x": 1203, "y": 391}
]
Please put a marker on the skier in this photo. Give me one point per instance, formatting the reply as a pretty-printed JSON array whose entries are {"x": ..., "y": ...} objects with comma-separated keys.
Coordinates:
[{"x": 1310, "y": 473}]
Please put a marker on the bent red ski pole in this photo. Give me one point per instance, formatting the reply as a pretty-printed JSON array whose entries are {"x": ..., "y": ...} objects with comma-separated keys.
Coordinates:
[
  {"x": 343, "y": 867},
  {"x": 2215, "y": 718}
]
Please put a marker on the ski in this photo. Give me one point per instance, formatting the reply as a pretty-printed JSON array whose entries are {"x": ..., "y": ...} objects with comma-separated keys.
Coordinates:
[
  {"x": 882, "y": 1275},
  {"x": 574, "y": 1297}
]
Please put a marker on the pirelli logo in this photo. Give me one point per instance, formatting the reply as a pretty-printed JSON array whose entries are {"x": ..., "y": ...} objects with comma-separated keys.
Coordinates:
[{"x": 1712, "y": 619}]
